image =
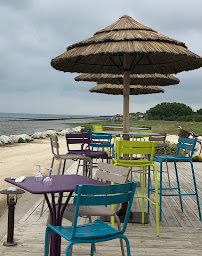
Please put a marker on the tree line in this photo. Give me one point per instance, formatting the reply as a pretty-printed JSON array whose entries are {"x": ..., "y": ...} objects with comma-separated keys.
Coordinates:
[{"x": 173, "y": 112}]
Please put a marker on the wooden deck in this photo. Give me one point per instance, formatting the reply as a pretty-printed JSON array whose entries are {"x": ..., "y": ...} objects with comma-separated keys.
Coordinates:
[{"x": 180, "y": 233}]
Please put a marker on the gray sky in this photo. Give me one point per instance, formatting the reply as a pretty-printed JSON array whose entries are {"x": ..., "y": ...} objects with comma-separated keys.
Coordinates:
[{"x": 32, "y": 32}]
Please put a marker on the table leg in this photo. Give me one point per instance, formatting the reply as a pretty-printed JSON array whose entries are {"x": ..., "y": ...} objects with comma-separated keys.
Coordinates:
[{"x": 56, "y": 220}]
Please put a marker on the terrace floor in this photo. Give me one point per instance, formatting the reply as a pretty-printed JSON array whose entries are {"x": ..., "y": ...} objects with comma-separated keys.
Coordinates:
[{"x": 180, "y": 233}]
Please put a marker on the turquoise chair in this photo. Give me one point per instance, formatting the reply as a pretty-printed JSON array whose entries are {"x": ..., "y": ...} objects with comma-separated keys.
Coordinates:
[
  {"x": 103, "y": 141},
  {"x": 96, "y": 231},
  {"x": 188, "y": 145}
]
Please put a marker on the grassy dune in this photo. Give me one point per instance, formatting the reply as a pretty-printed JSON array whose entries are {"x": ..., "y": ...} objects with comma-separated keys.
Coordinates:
[{"x": 170, "y": 127}]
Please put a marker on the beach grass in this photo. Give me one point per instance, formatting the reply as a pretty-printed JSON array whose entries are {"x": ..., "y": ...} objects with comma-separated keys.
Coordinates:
[{"x": 170, "y": 127}]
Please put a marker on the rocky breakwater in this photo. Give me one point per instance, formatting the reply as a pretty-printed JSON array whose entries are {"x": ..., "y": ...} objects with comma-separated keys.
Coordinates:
[{"x": 22, "y": 138}]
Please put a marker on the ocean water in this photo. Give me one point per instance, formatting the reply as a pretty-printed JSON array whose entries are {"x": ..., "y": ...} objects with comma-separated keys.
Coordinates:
[{"x": 20, "y": 123}]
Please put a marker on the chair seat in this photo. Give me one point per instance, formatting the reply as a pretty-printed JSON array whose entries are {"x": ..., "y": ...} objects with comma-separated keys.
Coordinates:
[
  {"x": 91, "y": 231},
  {"x": 96, "y": 154},
  {"x": 100, "y": 142},
  {"x": 131, "y": 163},
  {"x": 77, "y": 151},
  {"x": 160, "y": 158},
  {"x": 85, "y": 211}
]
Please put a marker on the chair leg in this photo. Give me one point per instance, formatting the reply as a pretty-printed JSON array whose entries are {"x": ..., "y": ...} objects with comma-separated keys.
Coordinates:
[
  {"x": 63, "y": 169},
  {"x": 178, "y": 185},
  {"x": 69, "y": 249},
  {"x": 168, "y": 174},
  {"x": 79, "y": 166},
  {"x": 160, "y": 191},
  {"x": 143, "y": 193},
  {"x": 47, "y": 241},
  {"x": 119, "y": 229},
  {"x": 196, "y": 192},
  {"x": 148, "y": 186},
  {"x": 156, "y": 199},
  {"x": 60, "y": 163},
  {"x": 127, "y": 244},
  {"x": 92, "y": 249}
]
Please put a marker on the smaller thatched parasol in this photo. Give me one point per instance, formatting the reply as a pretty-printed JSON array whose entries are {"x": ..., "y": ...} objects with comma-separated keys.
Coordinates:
[
  {"x": 135, "y": 79},
  {"x": 117, "y": 89}
]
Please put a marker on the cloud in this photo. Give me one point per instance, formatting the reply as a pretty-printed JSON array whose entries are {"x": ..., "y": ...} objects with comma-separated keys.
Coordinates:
[{"x": 33, "y": 32}]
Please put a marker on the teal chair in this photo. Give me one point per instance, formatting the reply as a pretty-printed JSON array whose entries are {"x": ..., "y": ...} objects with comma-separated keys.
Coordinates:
[
  {"x": 188, "y": 145},
  {"x": 96, "y": 231},
  {"x": 102, "y": 141}
]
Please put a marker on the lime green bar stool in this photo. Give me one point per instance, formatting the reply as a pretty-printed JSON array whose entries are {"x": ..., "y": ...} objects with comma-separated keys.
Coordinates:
[{"x": 124, "y": 151}]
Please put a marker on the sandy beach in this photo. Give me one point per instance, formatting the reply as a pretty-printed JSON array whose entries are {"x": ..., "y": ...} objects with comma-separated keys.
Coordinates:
[{"x": 21, "y": 160}]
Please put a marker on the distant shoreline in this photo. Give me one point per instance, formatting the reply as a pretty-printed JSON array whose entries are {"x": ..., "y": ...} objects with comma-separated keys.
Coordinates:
[{"x": 19, "y": 123}]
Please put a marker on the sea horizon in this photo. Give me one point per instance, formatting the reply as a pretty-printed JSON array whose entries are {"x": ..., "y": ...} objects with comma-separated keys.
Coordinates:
[{"x": 29, "y": 123}]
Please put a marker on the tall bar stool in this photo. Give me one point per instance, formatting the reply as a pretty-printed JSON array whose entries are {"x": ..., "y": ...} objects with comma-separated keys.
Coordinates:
[{"x": 188, "y": 145}]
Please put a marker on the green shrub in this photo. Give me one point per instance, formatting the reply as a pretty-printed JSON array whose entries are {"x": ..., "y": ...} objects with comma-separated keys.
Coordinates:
[
  {"x": 171, "y": 149},
  {"x": 196, "y": 158},
  {"x": 20, "y": 140}
]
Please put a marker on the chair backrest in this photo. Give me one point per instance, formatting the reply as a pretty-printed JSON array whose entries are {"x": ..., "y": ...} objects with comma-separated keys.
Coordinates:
[
  {"x": 103, "y": 195},
  {"x": 77, "y": 138},
  {"x": 100, "y": 136},
  {"x": 97, "y": 128},
  {"x": 187, "y": 144},
  {"x": 125, "y": 147},
  {"x": 85, "y": 130},
  {"x": 112, "y": 173},
  {"x": 159, "y": 138},
  {"x": 54, "y": 145}
]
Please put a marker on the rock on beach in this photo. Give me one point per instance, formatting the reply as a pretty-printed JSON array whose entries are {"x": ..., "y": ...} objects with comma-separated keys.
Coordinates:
[{"x": 37, "y": 135}]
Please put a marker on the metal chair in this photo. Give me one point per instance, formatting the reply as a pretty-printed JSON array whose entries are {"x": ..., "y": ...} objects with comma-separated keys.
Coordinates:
[
  {"x": 96, "y": 231},
  {"x": 102, "y": 141},
  {"x": 61, "y": 157},
  {"x": 83, "y": 139},
  {"x": 56, "y": 155},
  {"x": 186, "y": 144},
  {"x": 106, "y": 173},
  {"x": 162, "y": 145},
  {"x": 142, "y": 137},
  {"x": 124, "y": 152},
  {"x": 97, "y": 128}
]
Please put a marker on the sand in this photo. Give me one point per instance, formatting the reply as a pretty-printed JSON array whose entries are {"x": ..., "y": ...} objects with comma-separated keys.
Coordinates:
[{"x": 21, "y": 160}]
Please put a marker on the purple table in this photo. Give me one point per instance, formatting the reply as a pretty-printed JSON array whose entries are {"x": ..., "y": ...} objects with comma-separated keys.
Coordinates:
[{"x": 61, "y": 183}]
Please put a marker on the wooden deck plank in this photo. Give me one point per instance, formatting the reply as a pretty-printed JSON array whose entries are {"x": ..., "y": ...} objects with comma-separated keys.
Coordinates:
[{"x": 180, "y": 233}]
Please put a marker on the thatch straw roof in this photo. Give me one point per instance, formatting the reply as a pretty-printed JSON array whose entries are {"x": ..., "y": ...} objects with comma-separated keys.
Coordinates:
[
  {"x": 117, "y": 89},
  {"x": 139, "y": 79},
  {"x": 150, "y": 52}
]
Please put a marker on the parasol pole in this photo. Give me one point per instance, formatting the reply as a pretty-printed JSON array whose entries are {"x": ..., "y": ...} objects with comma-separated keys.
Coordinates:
[{"x": 126, "y": 93}]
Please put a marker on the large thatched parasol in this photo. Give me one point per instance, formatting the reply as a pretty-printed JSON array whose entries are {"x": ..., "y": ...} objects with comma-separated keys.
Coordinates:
[
  {"x": 117, "y": 89},
  {"x": 127, "y": 47},
  {"x": 139, "y": 79}
]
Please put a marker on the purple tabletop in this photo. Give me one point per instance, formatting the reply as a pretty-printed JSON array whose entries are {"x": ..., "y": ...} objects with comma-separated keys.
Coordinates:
[{"x": 61, "y": 183}]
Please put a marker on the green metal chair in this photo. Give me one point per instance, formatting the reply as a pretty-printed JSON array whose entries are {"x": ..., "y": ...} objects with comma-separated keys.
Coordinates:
[
  {"x": 97, "y": 128},
  {"x": 124, "y": 152}
]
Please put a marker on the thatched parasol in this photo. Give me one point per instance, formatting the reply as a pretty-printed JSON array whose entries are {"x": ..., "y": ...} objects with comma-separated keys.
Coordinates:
[
  {"x": 127, "y": 47},
  {"x": 117, "y": 89},
  {"x": 139, "y": 79}
]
